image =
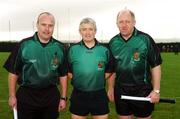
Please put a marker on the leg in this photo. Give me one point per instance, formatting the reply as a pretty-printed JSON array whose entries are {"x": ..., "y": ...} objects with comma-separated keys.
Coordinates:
[
  {"x": 51, "y": 114},
  {"x": 101, "y": 116},
  {"x": 149, "y": 117},
  {"x": 51, "y": 103},
  {"x": 78, "y": 107},
  {"x": 99, "y": 107},
  {"x": 126, "y": 117},
  {"x": 26, "y": 107},
  {"x": 122, "y": 106},
  {"x": 73, "y": 116}
]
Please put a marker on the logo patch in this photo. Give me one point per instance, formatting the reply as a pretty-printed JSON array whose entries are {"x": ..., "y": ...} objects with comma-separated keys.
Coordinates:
[
  {"x": 55, "y": 61},
  {"x": 100, "y": 65},
  {"x": 136, "y": 56}
]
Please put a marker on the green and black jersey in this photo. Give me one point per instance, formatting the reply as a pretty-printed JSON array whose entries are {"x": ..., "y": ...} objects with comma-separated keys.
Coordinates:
[
  {"x": 134, "y": 58},
  {"x": 88, "y": 66},
  {"x": 37, "y": 65}
]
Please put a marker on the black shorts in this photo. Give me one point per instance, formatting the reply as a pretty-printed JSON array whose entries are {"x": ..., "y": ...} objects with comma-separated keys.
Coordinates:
[
  {"x": 84, "y": 103},
  {"x": 128, "y": 107},
  {"x": 38, "y": 103}
]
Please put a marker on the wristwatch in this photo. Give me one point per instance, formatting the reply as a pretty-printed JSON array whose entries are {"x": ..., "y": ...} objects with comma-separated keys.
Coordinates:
[
  {"x": 157, "y": 91},
  {"x": 64, "y": 98}
]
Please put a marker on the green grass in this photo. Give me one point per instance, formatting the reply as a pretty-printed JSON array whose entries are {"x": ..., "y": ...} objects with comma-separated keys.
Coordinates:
[{"x": 169, "y": 88}]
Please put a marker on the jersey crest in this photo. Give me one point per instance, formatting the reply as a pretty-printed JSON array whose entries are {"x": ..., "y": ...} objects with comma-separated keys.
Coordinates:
[
  {"x": 55, "y": 61},
  {"x": 136, "y": 56}
]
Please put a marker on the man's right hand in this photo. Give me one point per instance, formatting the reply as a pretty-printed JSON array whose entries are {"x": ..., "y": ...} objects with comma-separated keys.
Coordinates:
[{"x": 13, "y": 102}]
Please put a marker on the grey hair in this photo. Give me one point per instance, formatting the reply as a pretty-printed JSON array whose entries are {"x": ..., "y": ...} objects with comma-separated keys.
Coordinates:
[
  {"x": 88, "y": 21},
  {"x": 126, "y": 10}
]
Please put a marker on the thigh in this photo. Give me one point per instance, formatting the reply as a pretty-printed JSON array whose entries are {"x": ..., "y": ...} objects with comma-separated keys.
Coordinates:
[
  {"x": 50, "y": 114},
  {"x": 98, "y": 104},
  {"x": 101, "y": 116},
  {"x": 122, "y": 106},
  {"x": 26, "y": 112},
  {"x": 137, "y": 108},
  {"x": 78, "y": 105},
  {"x": 26, "y": 107},
  {"x": 143, "y": 108},
  {"x": 32, "y": 103},
  {"x": 51, "y": 104},
  {"x": 73, "y": 116}
]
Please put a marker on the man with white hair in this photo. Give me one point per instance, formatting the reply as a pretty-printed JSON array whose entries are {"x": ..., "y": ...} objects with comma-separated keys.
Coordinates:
[{"x": 137, "y": 67}]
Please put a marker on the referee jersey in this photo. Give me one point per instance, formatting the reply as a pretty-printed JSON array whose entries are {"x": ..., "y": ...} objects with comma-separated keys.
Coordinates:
[
  {"x": 37, "y": 65},
  {"x": 134, "y": 58},
  {"x": 88, "y": 66}
]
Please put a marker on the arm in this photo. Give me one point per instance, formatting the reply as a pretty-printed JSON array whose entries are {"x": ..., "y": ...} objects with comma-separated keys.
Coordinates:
[
  {"x": 69, "y": 75},
  {"x": 63, "y": 91},
  {"x": 111, "y": 81},
  {"x": 156, "y": 77},
  {"x": 12, "y": 79}
]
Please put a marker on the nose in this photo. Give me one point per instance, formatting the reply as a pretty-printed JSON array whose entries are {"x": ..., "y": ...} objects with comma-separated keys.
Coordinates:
[{"x": 47, "y": 28}]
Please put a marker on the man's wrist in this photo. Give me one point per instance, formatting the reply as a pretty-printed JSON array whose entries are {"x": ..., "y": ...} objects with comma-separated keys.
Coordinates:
[
  {"x": 12, "y": 96},
  {"x": 156, "y": 91},
  {"x": 64, "y": 98}
]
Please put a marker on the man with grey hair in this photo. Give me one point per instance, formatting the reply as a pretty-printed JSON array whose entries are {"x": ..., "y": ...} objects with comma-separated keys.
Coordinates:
[
  {"x": 89, "y": 67},
  {"x": 137, "y": 67},
  {"x": 38, "y": 65}
]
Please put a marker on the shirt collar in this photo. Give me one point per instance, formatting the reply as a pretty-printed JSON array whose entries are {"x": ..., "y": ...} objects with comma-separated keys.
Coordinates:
[{"x": 96, "y": 43}]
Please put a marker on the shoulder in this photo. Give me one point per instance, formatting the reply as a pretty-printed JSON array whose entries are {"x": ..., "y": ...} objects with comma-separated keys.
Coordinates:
[
  {"x": 103, "y": 45},
  {"x": 117, "y": 36},
  {"x": 75, "y": 45},
  {"x": 144, "y": 35},
  {"x": 23, "y": 42},
  {"x": 61, "y": 45},
  {"x": 55, "y": 41}
]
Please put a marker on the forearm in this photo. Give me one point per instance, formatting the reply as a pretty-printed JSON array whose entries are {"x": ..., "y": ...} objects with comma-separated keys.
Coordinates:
[
  {"x": 111, "y": 81},
  {"x": 108, "y": 75},
  {"x": 12, "y": 79},
  {"x": 156, "y": 77},
  {"x": 63, "y": 84},
  {"x": 110, "y": 92}
]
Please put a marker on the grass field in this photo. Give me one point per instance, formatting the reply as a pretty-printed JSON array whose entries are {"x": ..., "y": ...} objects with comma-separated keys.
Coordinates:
[{"x": 169, "y": 88}]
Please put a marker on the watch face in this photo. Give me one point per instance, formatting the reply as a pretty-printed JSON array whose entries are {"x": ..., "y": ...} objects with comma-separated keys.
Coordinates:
[
  {"x": 157, "y": 91},
  {"x": 64, "y": 98}
]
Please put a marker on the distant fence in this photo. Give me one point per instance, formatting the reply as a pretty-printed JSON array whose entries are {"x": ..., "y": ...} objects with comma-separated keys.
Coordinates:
[{"x": 163, "y": 47}]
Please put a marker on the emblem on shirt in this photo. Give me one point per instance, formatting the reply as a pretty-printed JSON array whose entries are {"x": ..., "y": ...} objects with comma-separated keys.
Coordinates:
[
  {"x": 55, "y": 61},
  {"x": 100, "y": 64},
  {"x": 136, "y": 56}
]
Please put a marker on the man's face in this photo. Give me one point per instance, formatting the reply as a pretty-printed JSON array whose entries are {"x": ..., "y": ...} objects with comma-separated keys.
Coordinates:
[
  {"x": 87, "y": 32},
  {"x": 45, "y": 27},
  {"x": 126, "y": 24}
]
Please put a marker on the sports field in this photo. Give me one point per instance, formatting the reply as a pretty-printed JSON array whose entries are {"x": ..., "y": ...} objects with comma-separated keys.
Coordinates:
[{"x": 169, "y": 88}]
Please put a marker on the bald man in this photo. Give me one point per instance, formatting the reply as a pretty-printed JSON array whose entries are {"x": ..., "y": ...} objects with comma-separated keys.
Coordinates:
[
  {"x": 137, "y": 68},
  {"x": 38, "y": 65}
]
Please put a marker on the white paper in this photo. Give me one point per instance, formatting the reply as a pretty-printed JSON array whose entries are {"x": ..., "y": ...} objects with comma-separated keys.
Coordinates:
[
  {"x": 135, "y": 98},
  {"x": 15, "y": 113}
]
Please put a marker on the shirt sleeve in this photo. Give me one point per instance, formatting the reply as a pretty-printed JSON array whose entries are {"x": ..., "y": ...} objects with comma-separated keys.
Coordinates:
[
  {"x": 110, "y": 67},
  {"x": 154, "y": 56},
  {"x": 63, "y": 66},
  {"x": 14, "y": 63}
]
